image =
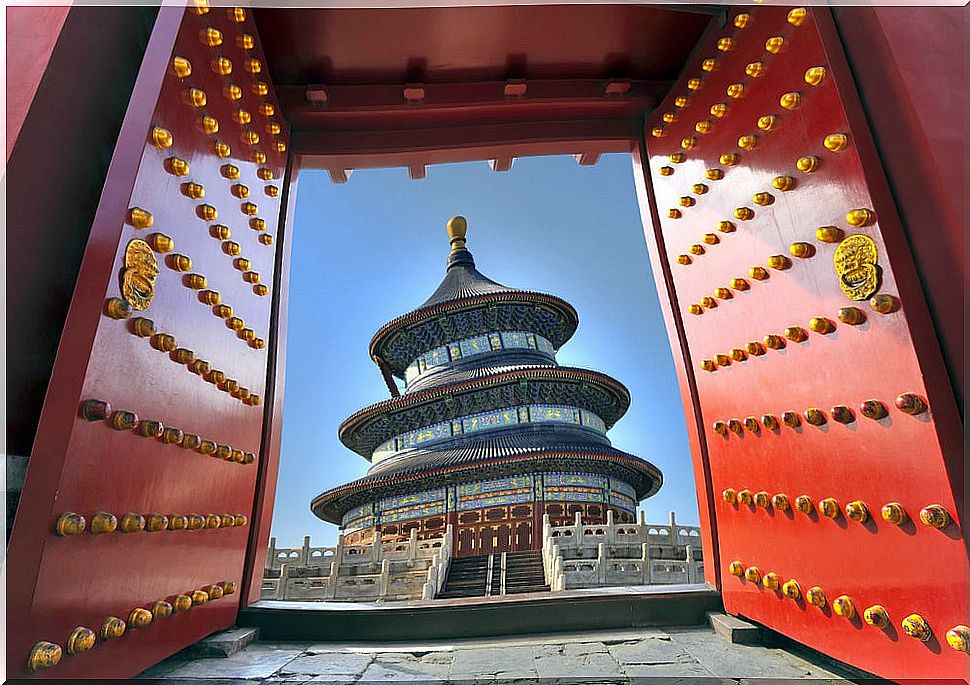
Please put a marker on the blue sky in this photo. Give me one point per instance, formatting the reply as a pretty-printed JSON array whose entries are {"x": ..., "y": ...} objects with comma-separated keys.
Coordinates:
[{"x": 373, "y": 248}]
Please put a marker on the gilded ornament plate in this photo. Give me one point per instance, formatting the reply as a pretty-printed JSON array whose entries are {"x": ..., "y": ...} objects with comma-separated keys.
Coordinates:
[
  {"x": 139, "y": 275},
  {"x": 856, "y": 263}
]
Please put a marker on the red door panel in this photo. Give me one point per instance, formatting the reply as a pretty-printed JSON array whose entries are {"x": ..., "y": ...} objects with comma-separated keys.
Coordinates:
[
  {"x": 178, "y": 361},
  {"x": 805, "y": 204}
]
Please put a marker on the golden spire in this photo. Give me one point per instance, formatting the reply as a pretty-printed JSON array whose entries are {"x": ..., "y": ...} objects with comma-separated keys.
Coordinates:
[{"x": 456, "y": 232}]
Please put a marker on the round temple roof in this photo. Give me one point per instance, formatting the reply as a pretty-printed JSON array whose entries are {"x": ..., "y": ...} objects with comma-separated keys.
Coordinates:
[{"x": 466, "y": 303}]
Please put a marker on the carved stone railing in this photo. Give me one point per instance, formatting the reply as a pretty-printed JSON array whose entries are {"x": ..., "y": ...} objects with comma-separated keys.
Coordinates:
[
  {"x": 611, "y": 554},
  {"x": 380, "y": 571}
]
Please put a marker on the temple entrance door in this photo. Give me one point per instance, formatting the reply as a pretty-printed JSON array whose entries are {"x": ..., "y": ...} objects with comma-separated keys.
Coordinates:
[
  {"x": 466, "y": 541},
  {"x": 503, "y": 537},
  {"x": 486, "y": 540},
  {"x": 825, "y": 422},
  {"x": 140, "y": 495},
  {"x": 523, "y": 536}
]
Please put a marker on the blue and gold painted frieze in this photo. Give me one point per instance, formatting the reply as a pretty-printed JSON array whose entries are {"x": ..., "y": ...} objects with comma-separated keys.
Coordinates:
[{"x": 475, "y": 345}]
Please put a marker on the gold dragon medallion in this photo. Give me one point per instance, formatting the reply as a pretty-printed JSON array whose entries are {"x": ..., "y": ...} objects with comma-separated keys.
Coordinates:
[
  {"x": 139, "y": 275},
  {"x": 856, "y": 264}
]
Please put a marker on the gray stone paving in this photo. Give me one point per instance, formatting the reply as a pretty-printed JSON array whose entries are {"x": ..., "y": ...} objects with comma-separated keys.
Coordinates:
[{"x": 694, "y": 655}]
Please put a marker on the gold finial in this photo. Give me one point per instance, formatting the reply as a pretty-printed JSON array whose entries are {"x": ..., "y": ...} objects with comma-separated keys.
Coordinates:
[{"x": 457, "y": 225}]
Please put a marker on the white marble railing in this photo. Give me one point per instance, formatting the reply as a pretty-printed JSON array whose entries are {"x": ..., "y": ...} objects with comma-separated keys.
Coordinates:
[
  {"x": 610, "y": 554},
  {"x": 392, "y": 570}
]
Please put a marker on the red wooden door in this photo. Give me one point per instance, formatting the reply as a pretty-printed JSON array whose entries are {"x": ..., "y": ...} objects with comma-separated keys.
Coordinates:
[
  {"x": 466, "y": 541},
  {"x": 153, "y": 421},
  {"x": 828, "y": 431},
  {"x": 523, "y": 536}
]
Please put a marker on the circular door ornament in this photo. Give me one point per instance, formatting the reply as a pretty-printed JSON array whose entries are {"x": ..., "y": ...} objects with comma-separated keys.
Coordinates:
[
  {"x": 139, "y": 275},
  {"x": 856, "y": 264}
]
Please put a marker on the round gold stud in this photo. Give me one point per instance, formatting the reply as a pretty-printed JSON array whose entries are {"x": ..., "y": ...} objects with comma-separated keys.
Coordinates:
[
  {"x": 843, "y": 606},
  {"x": 771, "y": 580},
  {"x": 699, "y": 188},
  {"x": 675, "y": 158},
  {"x": 804, "y": 504},
  {"x": 791, "y": 590},
  {"x": 894, "y": 513},
  {"x": 740, "y": 284},
  {"x": 828, "y": 234},
  {"x": 754, "y": 69},
  {"x": 711, "y": 238},
  {"x": 762, "y": 499},
  {"x": 739, "y": 355},
  {"x": 140, "y": 218},
  {"x": 797, "y": 16},
  {"x": 103, "y": 522},
  {"x": 227, "y": 520},
  {"x": 745, "y": 497},
  {"x": 729, "y": 496},
  {"x": 251, "y": 277},
  {"x": 253, "y": 66},
  {"x": 758, "y": 273},
  {"x": 815, "y": 596},
  {"x": 209, "y": 125},
  {"x": 236, "y": 14},
  {"x": 132, "y": 523},
  {"x": 730, "y": 159},
  {"x": 161, "y": 609},
  {"x": 736, "y": 568},
  {"x": 735, "y": 427},
  {"x": 857, "y": 511},
  {"x": 796, "y": 334},
  {"x": 241, "y": 519},
  {"x": 860, "y": 217},
  {"x": 722, "y": 360},
  {"x": 725, "y": 44},
  {"x": 735, "y": 90},
  {"x": 774, "y": 44},
  {"x": 792, "y": 100},
  {"x": 742, "y": 20},
  {"x": 958, "y": 637},
  {"x": 249, "y": 208},
  {"x": 181, "y": 603},
  {"x": 821, "y": 325},
  {"x": 666, "y": 170},
  {"x": 117, "y": 308},
  {"x": 743, "y": 213},
  {"x": 207, "y": 447},
  {"x": 44, "y": 655},
  {"x": 807, "y": 164},
  {"x": 123, "y": 420},
  {"x": 139, "y": 617},
  {"x": 112, "y": 628},
  {"x": 774, "y": 342},
  {"x": 221, "y": 149},
  {"x": 709, "y": 65},
  {"x": 747, "y": 142},
  {"x": 769, "y": 421},
  {"x": 687, "y": 201},
  {"x": 751, "y": 424},
  {"x": 265, "y": 239},
  {"x": 708, "y": 302},
  {"x": 155, "y": 522},
  {"x": 763, "y": 199},
  {"x": 873, "y": 409},
  {"x": 719, "y": 109},
  {"x": 934, "y": 516},
  {"x": 910, "y": 403},
  {"x": 779, "y": 262},
  {"x": 231, "y": 248},
  {"x": 695, "y": 309},
  {"x": 768, "y": 122},
  {"x": 81, "y": 639},
  {"x": 697, "y": 249},
  {"x": 181, "y": 67},
  {"x": 688, "y": 143},
  {"x": 836, "y": 142},
  {"x": 802, "y": 250},
  {"x": 178, "y": 521},
  {"x": 232, "y": 92},
  {"x": 257, "y": 224},
  {"x": 783, "y": 183},
  {"x": 752, "y": 574},
  {"x": 261, "y": 88},
  {"x": 780, "y": 502},
  {"x": 754, "y": 348},
  {"x": 199, "y": 597},
  {"x": 916, "y": 627},
  {"x": 683, "y": 259},
  {"x": 829, "y": 508},
  {"x": 884, "y": 304},
  {"x": 814, "y": 76},
  {"x": 842, "y": 414},
  {"x": 694, "y": 84},
  {"x": 221, "y": 66},
  {"x": 714, "y": 174},
  {"x": 68, "y": 524},
  {"x": 211, "y": 36},
  {"x": 815, "y": 416}
]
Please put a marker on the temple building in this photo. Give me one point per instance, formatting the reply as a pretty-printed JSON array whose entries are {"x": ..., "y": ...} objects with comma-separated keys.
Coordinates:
[{"x": 490, "y": 433}]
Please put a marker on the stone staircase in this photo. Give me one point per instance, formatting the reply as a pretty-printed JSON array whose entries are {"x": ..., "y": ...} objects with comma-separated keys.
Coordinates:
[
  {"x": 467, "y": 577},
  {"x": 523, "y": 572}
]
